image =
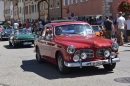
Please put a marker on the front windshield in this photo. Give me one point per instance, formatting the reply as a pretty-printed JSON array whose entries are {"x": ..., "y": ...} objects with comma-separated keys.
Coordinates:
[
  {"x": 81, "y": 29},
  {"x": 7, "y": 31},
  {"x": 23, "y": 32}
]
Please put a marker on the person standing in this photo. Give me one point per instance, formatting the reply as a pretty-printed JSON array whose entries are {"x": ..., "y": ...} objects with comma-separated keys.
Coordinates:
[
  {"x": 109, "y": 27},
  {"x": 27, "y": 24},
  {"x": 16, "y": 25},
  {"x": 20, "y": 24},
  {"x": 128, "y": 28},
  {"x": 121, "y": 26}
]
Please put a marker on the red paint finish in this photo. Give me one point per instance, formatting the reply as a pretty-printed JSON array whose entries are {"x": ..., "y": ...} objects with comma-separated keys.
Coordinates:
[{"x": 48, "y": 49}]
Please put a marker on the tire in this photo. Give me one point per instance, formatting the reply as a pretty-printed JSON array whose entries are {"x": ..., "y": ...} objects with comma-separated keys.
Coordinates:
[
  {"x": 1, "y": 38},
  {"x": 14, "y": 45},
  {"x": 61, "y": 67},
  {"x": 38, "y": 56},
  {"x": 10, "y": 43},
  {"x": 109, "y": 67}
]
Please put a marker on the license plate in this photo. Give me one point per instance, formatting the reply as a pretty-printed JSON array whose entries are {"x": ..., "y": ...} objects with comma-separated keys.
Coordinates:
[
  {"x": 27, "y": 43},
  {"x": 96, "y": 63}
]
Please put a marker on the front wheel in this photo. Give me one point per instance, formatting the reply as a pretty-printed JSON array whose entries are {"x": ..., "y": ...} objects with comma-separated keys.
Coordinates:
[
  {"x": 109, "y": 67},
  {"x": 10, "y": 44},
  {"x": 61, "y": 67},
  {"x": 14, "y": 44},
  {"x": 1, "y": 38}
]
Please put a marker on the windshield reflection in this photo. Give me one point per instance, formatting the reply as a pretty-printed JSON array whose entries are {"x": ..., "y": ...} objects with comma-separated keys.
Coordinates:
[
  {"x": 23, "y": 32},
  {"x": 80, "y": 29}
]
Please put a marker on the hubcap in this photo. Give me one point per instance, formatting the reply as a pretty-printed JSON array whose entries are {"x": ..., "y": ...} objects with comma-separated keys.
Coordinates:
[{"x": 60, "y": 64}]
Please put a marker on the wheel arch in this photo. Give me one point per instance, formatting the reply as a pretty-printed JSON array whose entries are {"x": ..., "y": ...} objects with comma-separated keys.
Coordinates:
[{"x": 56, "y": 55}]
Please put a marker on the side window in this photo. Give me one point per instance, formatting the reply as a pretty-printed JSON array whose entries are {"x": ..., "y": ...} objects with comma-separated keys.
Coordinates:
[{"x": 48, "y": 33}]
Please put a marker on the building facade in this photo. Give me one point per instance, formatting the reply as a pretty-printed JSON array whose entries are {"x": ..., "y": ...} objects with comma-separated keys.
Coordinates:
[
  {"x": 11, "y": 11},
  {"x": 81, "y": 8},
  {"x": 2, "y": 11},
  {"x": 34, "y": 10},
  {"x": 31, "y": 10},
  {"x": 55, "y": 9},
  {"x": 21, "y": 10},
  {"x": 7, "y": 9},
  {"x": 15, "y": 12}
]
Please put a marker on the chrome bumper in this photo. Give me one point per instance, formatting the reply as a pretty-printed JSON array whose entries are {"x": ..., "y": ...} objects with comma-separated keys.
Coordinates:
[
  {"x": 91, "y": 63},
  {"x": 5, "y": 37}
]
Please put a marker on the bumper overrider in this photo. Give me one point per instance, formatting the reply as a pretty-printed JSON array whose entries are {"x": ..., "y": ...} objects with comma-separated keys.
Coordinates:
[{"x": 91, "y": 63}]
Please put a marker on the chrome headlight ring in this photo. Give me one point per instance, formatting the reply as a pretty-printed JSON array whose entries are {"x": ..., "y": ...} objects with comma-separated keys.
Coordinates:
[
  {"x": 115, "y": 46},
  {"x": 71, "y": 49}
]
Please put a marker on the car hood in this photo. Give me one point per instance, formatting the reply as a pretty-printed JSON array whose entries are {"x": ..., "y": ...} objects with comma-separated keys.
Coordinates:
[
  {"x": 83, "y": 41},
  {"x": 25, "y": 36}
]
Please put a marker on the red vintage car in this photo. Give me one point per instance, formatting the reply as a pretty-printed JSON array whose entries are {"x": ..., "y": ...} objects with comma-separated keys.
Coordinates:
[{"x": 74, "y": 44}]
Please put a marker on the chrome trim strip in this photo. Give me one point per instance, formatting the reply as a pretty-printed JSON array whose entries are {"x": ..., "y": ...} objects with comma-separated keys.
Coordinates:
[{"x": 77, "y": 64}]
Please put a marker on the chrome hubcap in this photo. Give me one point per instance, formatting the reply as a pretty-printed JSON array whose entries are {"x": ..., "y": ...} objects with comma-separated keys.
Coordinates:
[{"x": 60, "y": 65}]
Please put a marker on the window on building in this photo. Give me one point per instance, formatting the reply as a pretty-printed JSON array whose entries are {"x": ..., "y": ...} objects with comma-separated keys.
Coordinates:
[
  {"x": 57, "y": 3},
  {"x": 84, "y": 0},
  {"x": 32, "y": 8},
  {"x": 51, "y": 4},
  {"x": 66, "y": 2},
  {"x": 35, "y": 8},
  {"x": 74, "y": 1}
]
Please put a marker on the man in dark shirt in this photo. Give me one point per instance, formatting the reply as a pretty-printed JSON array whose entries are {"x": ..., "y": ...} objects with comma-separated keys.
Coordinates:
[{"x": 108, "y": 26}]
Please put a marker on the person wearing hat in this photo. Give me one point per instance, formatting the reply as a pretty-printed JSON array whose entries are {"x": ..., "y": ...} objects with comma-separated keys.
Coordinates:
[
  {"x": 121, "y": 26},
  {"x": 109, "y": 27}
]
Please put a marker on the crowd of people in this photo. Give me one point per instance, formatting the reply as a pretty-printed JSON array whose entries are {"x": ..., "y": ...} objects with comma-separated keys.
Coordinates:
[{"x": 113, "y": 28}]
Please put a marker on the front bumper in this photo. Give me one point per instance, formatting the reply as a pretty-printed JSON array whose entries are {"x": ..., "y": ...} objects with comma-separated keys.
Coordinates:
[
  {"x": 91, "y": 63},
  {"x": 21, "y": 42},
  {"x": 5, "y": 37}
]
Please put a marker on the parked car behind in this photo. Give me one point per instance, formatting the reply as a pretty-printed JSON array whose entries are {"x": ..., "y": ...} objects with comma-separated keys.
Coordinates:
[
  {"x": 5, "y": 33},
  {"x": 21, "y": 37},
  {"x": 74, "y": 44}
]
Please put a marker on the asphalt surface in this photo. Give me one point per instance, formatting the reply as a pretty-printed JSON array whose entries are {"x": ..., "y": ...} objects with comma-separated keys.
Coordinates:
[{"x": 18, "y": 67}]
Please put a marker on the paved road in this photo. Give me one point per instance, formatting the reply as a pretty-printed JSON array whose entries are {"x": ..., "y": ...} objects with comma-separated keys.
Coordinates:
[{"x": 18, "y": 67}]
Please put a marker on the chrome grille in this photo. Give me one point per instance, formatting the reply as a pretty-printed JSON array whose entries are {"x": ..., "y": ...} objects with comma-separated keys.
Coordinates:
[
  {"x": 89, "y": 52},
  {"x": 100, "y": 52}
]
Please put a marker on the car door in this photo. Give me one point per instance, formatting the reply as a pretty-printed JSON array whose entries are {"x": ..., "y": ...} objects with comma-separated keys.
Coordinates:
[{"x": 48, "y": 40}]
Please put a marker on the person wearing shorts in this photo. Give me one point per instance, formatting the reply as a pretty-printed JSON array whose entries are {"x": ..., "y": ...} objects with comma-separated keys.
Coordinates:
[
  {"x": 128, "y": 28},
  {"x": 121, "y": 27}
]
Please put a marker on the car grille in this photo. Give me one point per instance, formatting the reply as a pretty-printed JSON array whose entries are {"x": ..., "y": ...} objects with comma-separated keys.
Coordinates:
[
  {"x": 89, "y": 52},
  {"x": 100, "y": 52}
]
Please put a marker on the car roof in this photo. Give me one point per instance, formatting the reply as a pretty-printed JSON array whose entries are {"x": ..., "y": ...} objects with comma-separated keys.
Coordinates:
[{"x": 58, "y": 23}]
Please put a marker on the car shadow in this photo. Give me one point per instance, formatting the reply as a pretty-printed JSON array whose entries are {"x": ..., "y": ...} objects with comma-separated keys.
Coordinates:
[
  {"x": 50, "y": 71},
  {"x": 19, "y": 47}
]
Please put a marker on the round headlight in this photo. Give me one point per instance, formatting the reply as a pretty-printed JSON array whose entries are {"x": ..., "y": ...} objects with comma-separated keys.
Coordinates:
[
  {"x": 113, "y": 55},
  {"x": 107, "y": 53},
  {"x": 115, "y": 46},
  {"x": 76, "y": 58},
  {"x": 83, "y": 55},
  {"x": 71, "y": 49}
]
